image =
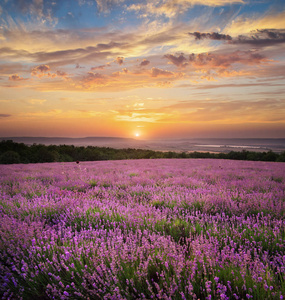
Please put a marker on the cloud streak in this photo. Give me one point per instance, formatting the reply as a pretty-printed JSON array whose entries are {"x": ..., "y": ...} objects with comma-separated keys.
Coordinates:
[
  {"x": 212, "y": 36},
  {"x": 171, "y": 8},
  {"x": 261, "y": 38},
  {"x": 5, "y": 115}
]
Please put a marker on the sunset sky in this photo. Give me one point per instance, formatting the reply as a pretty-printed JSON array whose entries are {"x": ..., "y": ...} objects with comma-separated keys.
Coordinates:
[{"x": 152, "y": 68}]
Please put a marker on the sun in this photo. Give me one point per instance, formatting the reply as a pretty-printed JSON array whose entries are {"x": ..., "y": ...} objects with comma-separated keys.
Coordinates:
[{"x": 137, "y": 134}]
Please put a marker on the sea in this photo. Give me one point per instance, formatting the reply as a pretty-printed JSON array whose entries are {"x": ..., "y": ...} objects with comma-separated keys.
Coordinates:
[{"x": 213, "y": 145}]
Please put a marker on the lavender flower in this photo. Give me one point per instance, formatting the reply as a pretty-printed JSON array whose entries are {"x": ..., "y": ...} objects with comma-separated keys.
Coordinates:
[{"x": 173, "y": 229}]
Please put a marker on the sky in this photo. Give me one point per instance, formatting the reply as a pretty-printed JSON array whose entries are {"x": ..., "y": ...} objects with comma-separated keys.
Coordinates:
[{"x": 142, "y": 69}]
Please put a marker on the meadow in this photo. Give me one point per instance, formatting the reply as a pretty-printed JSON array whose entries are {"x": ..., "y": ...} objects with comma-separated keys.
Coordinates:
[{"x": 143, "y": 229}]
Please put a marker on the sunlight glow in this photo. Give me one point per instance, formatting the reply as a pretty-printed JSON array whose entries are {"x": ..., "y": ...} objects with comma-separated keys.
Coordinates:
[{"x": 142, "y": 69}]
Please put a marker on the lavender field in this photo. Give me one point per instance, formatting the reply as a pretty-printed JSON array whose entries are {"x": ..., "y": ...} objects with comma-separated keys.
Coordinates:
[{"x": 143, "y": 229}]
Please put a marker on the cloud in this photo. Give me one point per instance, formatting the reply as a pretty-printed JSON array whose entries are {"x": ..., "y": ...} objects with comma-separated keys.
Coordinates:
[
  {"x": 225, "y": 60},
  {"x": 92, "y": 76},
  {"x": 29, "y": 6},
  {"x": 119, "y": 60},
  {"x": 156, "y": 72},
  {"x": 164, "y": 84},
  {"x": 259, "y": 37},
  {"x": 236, "y": 85},
  {"x": 212, "y": 36},
  {"x": 40, "y": 69},
  {"x": 211, "y": 111},
  {"x": 115, "y": 74},
  {"x": 62, "y": 74},
  {"x": 5, "y": 115},
  {"x": 20, "y": 35},
  {"x": 78, "y": 66},
  {"x": 37, "y": 101},
  {"x": 262, "y": 38},
  {"x": 179, "y": 61},
  {"x": 70, "y": 55},
  {"x": 144, "y": 63},
  {"x": 65, "y": 56},
  {"x": 8, "y": 52},
  {"x": 101, "y": 67},
  {"x": 111, "y": 45},
  {"x": 163, "y": 37},
  {"x": 44, "y": 71},
  {"x": 171, "y": 8},
  {"x": 37, "y": 10},
  {"x": 136, "y": 116},
  {"x": 106, "y": 5},
  {"x": 16, "y": 77},
  {"x": 93, "y": 80},
  {"x": 9, "y": 68},
  {"x": 245, "y": 25},
  {"x": 228, "y": 111}
]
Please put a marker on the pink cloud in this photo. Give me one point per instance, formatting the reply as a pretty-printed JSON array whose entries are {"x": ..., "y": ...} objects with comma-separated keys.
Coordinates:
[
  {"x": 179, "y": 61},
  {"x": 144, "y": 63},
  {"x": 225, "y": 60},
  {"x": 156, "y": 72}
]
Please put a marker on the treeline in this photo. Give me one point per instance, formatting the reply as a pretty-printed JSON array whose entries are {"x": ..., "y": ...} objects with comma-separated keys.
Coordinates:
[{"x": 13, "y": 153}]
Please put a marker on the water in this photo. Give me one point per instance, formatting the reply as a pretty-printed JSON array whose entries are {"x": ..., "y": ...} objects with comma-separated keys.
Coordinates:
[
  {"x": 224, "y": 145},
  {"x": 178, "y": 145}
]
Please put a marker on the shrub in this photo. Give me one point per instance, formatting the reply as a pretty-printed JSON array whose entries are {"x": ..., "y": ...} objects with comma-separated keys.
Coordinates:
[{"x": 10, "y": 157}]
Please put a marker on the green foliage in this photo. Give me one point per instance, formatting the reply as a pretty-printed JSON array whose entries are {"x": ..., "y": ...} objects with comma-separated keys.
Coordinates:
[
  {"x": 10, "y": 157},
  {"x": 11, "y": 152},
  {"x": 133, "y": 174}
]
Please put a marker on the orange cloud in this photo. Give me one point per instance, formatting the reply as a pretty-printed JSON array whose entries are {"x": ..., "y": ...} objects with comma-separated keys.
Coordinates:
[
  {"x": 40, "y": 70},
  {"x": 16, "y": 77},
  {"x": 43, "y": 71},
  {"x": 119, "y": 60}
]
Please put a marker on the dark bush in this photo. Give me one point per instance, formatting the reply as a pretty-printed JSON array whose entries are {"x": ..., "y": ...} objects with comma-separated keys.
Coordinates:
[{"x": 10, "y": 157}]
